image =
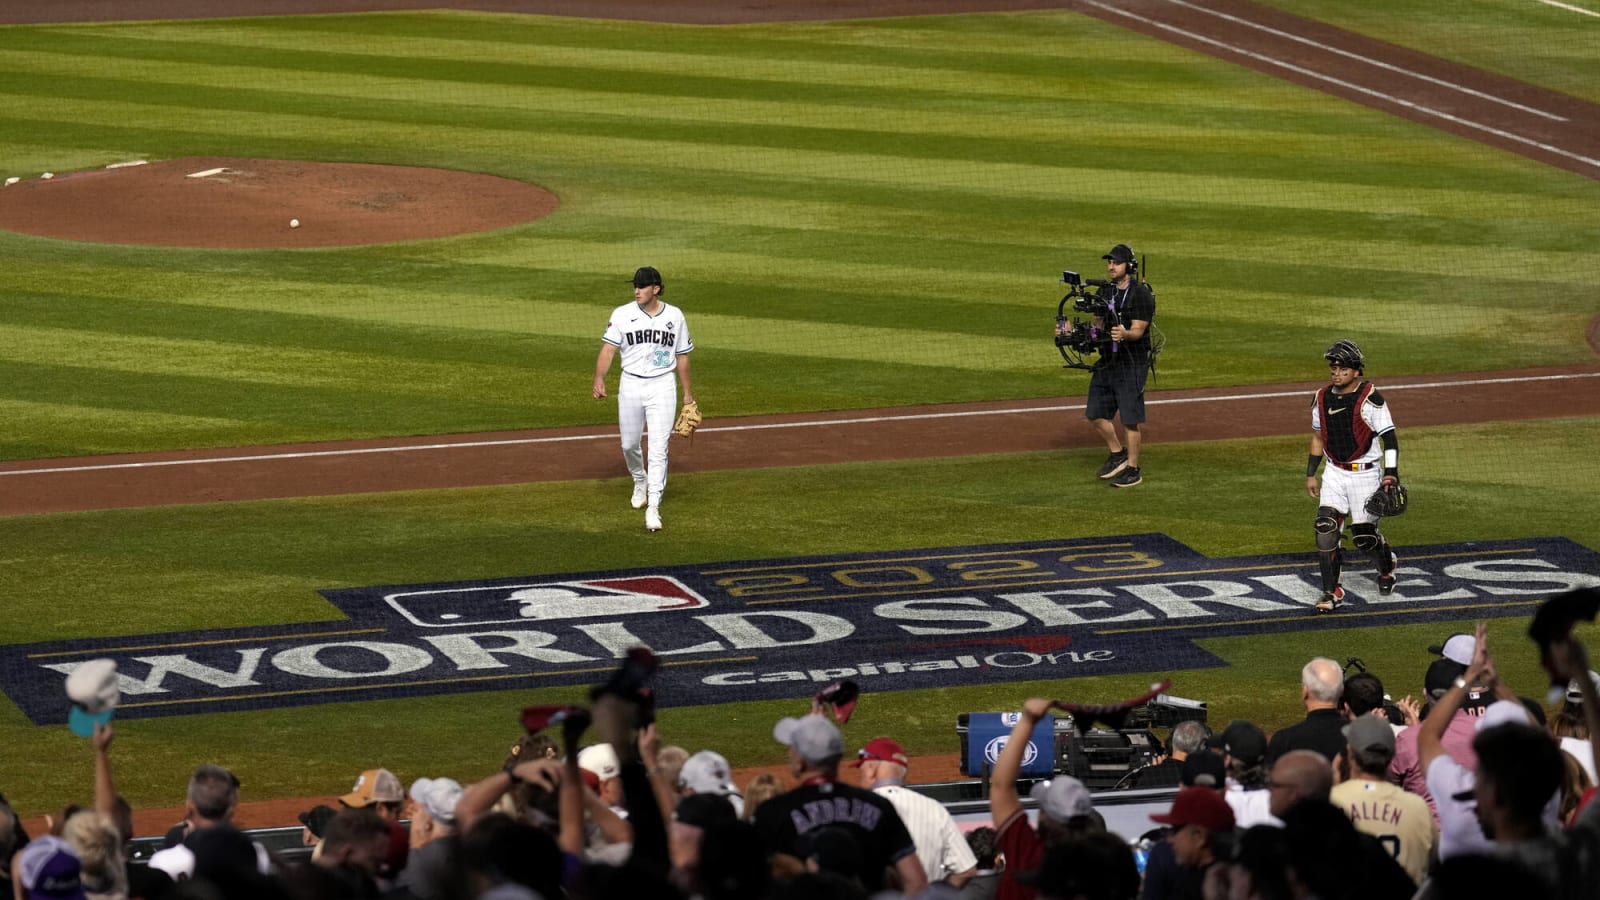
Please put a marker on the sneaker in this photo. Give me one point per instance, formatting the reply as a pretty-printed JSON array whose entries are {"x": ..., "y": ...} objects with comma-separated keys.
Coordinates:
[
  {"x": 1114, "y": 463},
  {"x": 1386, "y": 580},
  {"x": 1128, "y": 478},
  {"x": 652, "y": 519},
  {"x": 1331, "y": 600},
  {"x": 640, "y": 494}
]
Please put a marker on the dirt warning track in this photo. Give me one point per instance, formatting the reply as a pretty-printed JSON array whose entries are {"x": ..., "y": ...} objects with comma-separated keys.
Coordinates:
[{"x": 472, "y": 460}]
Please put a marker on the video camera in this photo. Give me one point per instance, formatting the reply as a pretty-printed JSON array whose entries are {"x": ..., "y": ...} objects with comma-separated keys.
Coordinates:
[{"x": 1079, "y": 338}]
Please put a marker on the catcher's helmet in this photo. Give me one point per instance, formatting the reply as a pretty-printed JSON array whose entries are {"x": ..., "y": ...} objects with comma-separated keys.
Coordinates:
[{"x": 1346, "y": 355}]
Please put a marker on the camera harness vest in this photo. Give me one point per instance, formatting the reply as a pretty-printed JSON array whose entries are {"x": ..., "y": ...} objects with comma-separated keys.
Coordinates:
[{"x": 1345, "y": 445}]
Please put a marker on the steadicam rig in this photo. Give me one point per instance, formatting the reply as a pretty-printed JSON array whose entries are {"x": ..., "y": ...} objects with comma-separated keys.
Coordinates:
[{"x": 1079, "y": 338}]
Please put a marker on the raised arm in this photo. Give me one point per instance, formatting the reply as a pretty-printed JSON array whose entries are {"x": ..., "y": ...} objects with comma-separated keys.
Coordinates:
[
  {"x": 1572, "y": 658},
  {"x": 1003, "y": 800},
  {"x": 105, "y": 791},
  {"x": 1430, "y": 734}
]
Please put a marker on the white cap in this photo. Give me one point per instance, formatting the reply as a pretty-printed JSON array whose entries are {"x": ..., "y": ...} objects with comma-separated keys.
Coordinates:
[
  {"x": 1574, "y": 695},
  {"x": 707, "y": 772},
  {"x": 92, "y": 688},
  {"x": 438, "y": 796},
  {"x": 813, "y": 737},
  {"x": 1457, "y": 648},
  {"x": 1504, "y": 712},
  {"x": 601, "y": 760}
]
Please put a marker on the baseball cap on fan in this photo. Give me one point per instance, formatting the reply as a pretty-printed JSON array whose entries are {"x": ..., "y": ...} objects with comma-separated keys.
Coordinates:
[
  {"x": 707, "y": 772},
  {"x": 92, "y": 688},
  {"x": 1243, "y": 740},
  {"x": 1574, "y": 694},
  {"x": 375, "y": 786},
  {"x": 1121, "y": 253},
  {"x": 49, "y": 869},
  {"x": 601, "y": 760},
  {"x": 813, "y": 737},
  {"x": 883, "y": 750},
  {"x": 1457, "y": 648},
  {"x": 1062, "y": 798},
  {"x": 438, "y": 796},
  {"x": 645, "y": 276}
]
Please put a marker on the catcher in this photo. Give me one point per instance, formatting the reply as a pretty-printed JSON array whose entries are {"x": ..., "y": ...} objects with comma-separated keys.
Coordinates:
[{"x": 1350, "y": 422}]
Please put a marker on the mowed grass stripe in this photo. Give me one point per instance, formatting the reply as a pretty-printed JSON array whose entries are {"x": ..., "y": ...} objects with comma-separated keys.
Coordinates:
[
  {"x": 677, "y": 159},
  {"x": 973, "y": 137},
  {"x": 972, "y": 122}
]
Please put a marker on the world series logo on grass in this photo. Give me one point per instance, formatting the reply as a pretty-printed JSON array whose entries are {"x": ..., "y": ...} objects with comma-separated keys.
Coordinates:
[{"x": 769, "y": 629}]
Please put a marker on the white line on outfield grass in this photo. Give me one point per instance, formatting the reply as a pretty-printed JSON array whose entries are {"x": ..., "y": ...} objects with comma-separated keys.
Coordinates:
[
  {"x": 1351, "y": 86},
  {"x": 1570, "y": 8},
  {"x": 1300, "y": 39},
  {"x": 811, "y": 423}
]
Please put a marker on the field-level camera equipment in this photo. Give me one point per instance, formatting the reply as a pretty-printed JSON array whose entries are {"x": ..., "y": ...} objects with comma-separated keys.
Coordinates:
[{"x": 1080, "y": 337}]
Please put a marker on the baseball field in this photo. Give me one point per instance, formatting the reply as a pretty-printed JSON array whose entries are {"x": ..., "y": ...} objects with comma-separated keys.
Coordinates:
[{"x": 865, "y": 219}]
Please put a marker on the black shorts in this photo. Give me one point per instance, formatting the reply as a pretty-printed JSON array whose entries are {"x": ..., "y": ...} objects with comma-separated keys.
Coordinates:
[{"x": 1117, "y": 389}]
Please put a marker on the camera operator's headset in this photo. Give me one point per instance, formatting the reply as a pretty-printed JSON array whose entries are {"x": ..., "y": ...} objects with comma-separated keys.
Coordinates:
[{"x": 1133, "y": 263}]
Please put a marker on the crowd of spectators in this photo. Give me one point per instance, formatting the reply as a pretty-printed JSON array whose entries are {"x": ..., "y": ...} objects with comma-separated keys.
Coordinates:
[{"x": 1469, "y": 793}]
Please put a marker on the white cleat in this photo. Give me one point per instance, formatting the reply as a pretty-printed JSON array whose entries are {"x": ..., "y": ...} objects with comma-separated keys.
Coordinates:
[
  {"x": 652, "y": 519},
  {"x": 640, "y": 494}
]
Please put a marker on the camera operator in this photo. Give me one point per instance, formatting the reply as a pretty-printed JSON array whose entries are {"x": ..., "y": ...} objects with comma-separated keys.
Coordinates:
[{"x": 1117, "y": 382}]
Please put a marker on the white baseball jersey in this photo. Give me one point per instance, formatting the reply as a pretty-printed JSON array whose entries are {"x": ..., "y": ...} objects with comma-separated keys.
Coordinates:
[
  {"x": 649, "y": 345},
  {"x": 647, "y": 397},
  {"x": 940, "y": 844}
]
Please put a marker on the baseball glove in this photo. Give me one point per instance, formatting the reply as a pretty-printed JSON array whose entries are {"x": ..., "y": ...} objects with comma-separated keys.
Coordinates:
[
  {"x": 1388, "y": 500},
  {"x": 688, "y": 419}
]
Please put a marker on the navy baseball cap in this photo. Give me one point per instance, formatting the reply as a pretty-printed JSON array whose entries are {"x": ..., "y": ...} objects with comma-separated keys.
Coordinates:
[
  {"x": 645, "y": 276},
  {"x": 1121, "y": 253}
]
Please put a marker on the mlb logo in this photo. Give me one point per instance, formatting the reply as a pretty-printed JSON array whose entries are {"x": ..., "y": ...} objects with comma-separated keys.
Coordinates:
[{"x": 548, "y": 601}]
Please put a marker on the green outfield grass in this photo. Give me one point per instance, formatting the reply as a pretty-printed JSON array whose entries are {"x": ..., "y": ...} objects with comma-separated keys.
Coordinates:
[
  {"x": 854, "y": 214},
  {"x": 148, "y": 571},
  {"x": 1535, "y": 42}
]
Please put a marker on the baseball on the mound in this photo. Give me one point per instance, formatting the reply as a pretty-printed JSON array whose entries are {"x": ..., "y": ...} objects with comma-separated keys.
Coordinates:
[{"x": 294, "y": 223}]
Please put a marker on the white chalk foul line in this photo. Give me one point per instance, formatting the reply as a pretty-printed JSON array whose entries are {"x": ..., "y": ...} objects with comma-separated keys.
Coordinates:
[
  {"x": 1350, "y": 86},
  {"x": 810, "y": 423},
  {"x": 1388, "y": 67},
  {"x": 1570, "y": 8}
]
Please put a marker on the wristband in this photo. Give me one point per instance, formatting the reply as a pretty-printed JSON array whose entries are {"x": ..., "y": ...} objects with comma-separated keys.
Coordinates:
[
  {"x": 1459, "y": 683},
  {"x": 1312, "y": 462}
]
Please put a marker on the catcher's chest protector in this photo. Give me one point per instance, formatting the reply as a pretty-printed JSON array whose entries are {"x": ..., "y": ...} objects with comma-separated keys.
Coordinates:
[{"x": 1347, "y": 439}]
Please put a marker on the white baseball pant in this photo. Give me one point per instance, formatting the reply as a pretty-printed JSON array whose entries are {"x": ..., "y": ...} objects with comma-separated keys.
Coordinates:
[
  {"x": 647, "y": 404},
  {"x": 1348, "y": 491}
]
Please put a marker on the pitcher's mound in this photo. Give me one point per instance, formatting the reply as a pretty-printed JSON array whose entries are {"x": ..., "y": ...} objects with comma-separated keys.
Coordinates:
[{"x": 207, "y": 201}]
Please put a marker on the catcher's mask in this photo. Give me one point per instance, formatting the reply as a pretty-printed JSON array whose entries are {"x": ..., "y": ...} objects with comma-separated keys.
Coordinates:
[{"x": 1346, "y": 355}]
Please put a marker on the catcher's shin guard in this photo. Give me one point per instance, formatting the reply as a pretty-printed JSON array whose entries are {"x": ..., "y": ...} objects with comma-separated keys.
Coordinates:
[
  {"x": 1386, "y": 566},
  {"x": 1329, "y": 561}
]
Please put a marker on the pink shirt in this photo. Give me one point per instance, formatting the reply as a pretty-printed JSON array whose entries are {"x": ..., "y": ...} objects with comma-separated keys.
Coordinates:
[{"x": 1406, "y": 769}]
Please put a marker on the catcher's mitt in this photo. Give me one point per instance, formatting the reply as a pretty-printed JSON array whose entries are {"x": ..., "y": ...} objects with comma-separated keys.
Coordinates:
[
  {"x": 1388, "y": 500},
  {"x": 688, "y": 419}
]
